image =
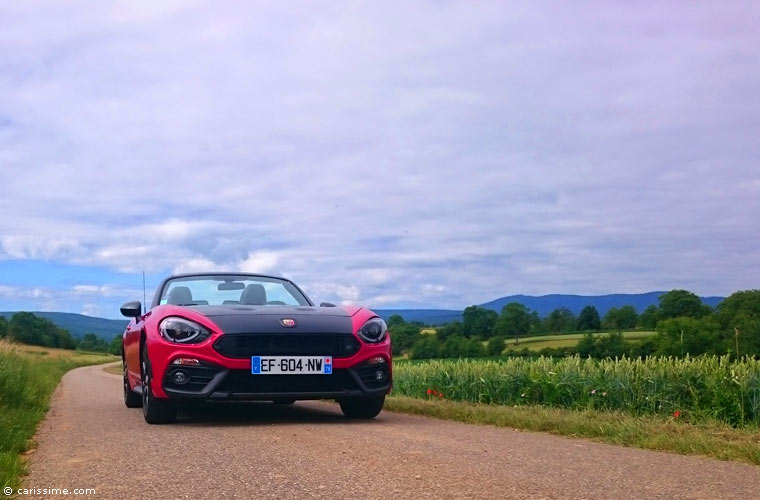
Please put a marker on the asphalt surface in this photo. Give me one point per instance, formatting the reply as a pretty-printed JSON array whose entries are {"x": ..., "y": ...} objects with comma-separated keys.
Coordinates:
[{"x": 306, "y": 451}]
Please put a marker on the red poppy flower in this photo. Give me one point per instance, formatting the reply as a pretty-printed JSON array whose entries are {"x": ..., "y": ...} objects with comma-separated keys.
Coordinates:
[
  {"x": 430, "y": 391},
  {"x": 677, "y": 414}
]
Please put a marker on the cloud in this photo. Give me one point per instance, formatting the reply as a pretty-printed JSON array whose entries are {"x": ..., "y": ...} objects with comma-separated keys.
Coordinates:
[
  {"x": 259, "y": 262},
  {"x": 404, "y": 155}
]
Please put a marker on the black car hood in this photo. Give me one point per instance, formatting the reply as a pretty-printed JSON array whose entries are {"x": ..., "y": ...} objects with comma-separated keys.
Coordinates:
[{"x": 267, "y": 319}]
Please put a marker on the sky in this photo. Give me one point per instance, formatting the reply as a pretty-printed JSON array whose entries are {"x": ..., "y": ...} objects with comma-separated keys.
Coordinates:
[{"x": 391, "y": 154}]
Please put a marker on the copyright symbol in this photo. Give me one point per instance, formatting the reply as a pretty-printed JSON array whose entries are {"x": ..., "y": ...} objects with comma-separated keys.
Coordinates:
[{"x": 8, "y": 491}]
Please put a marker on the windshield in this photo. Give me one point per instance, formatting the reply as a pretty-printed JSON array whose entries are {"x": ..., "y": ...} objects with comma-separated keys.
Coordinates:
[{"x": 231, "y": 290}]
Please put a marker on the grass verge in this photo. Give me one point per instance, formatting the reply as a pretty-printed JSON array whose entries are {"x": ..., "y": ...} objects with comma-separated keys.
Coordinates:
[
  {"x": 714, "y": 440},
  {"x": 115, "y": 369},
  {"x": 28, "y": 376}
]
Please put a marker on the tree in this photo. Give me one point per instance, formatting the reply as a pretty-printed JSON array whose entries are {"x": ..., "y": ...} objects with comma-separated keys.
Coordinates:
[
  {"x": 620, "y": 319},
  {"x": 63, "y": 339},
  {"x": 681, "y": 303},
  {"x": 744, "y": 304},
  {"x": 116, "y": 346},
  {"x": 3, "y": 327},
  {"x": 588, "y": 319},
  {"x": 93, "y": 343},
  {"x": 479, "y": 321},
  {"x": 455, "y": 328},
  {"x": 403, "y": 337},
  {"x": 560, "y": 320},
  {"x": 627, "y": 317},
  {"x": 536, "y": 325},
  {"x": 495, "y": 346},
  {"x": 395, "y": 320},
  {"x": 683, "y": 335},
  {"x": 26, "y": 328},
  {"x": 649, "y": 318},
  {"x": 739, "y": 320},
  {"x": 515, "y": 320}
]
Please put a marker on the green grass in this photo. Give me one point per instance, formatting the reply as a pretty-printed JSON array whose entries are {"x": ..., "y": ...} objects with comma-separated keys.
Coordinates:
[
  {"x": 28, "y": 376},
  {"x": 567, "y": 340},
  {"x": 710, "y": 439}
]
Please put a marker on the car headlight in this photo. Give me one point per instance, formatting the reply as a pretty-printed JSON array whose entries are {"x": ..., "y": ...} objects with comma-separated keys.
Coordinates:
[
  {"x": 374, "y": 331},
  {"x": 183, "y": 331}
]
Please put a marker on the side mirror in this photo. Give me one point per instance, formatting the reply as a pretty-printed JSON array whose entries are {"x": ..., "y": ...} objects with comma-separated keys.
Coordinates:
[
  {"x": 327, "y": 304},
  {"x": 132, "y": 309}
]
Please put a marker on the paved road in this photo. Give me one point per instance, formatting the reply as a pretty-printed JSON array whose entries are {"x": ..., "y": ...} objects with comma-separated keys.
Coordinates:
[{"x": 308, "y": 451}]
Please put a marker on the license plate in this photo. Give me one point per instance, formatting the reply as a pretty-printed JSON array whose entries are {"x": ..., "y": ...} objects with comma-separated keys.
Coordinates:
[{"x": 291, "y": 365}]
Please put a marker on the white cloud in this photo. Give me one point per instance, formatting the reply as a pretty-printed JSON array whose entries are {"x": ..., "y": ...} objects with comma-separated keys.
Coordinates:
[
  {"x": 196, "y": 265},
  {"x": 442, "y": 157},
  {"x": 259, "y": 262},
  {"x": 91, "y": 310}
]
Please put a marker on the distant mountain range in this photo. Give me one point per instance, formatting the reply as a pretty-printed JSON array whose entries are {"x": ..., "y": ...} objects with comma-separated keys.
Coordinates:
[
  {"x": 543, "y": 304},
  {"x": 79, "y": 324}
]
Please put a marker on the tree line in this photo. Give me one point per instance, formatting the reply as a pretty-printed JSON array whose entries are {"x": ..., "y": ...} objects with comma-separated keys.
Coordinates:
[
  {"x": 27, "y": 328},
  {"x": 684, "y": 325}
]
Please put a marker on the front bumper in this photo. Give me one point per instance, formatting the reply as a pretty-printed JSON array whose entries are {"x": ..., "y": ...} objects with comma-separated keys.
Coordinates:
[{"x": 215, "y": 382}]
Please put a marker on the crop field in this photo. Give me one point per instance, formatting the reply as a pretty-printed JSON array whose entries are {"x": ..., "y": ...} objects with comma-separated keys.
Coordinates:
[
  {"x": 28, "y": 376},
  {"x": 568, "y": 340},
  {"x": 698, "y": 389}
]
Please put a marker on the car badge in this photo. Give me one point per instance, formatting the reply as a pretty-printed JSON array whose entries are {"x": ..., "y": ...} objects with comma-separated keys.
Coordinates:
[{"x": 288, "y": 323}]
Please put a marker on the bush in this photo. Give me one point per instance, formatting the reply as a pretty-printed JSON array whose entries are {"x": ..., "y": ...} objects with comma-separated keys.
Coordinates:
[
  {"x": 404, "y": 336},
  {"x": 496, "y": 346},
  {"x": 427, "y": 347}
]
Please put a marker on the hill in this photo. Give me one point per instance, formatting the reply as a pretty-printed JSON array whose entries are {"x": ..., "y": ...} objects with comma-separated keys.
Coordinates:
[
  {"x": 427, "y": 316},
  {"x": 543, "y": 304},
  {"x": 79, "y": 324}
]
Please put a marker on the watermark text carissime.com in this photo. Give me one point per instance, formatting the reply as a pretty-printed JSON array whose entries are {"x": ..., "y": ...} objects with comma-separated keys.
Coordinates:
[{"x": 8, "y": 491}]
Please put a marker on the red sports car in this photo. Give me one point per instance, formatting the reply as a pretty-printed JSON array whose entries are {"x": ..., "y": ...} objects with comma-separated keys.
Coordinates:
[{"x": 234, "y": 336}]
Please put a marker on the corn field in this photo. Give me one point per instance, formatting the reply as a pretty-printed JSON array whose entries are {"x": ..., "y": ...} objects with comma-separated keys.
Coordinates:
[{"x": 691, "y": 389}]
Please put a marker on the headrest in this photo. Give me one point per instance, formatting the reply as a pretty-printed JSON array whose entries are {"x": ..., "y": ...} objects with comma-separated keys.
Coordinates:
[
  {"x": 180, "y": 295},
  {"x": 254, "y": 295}
]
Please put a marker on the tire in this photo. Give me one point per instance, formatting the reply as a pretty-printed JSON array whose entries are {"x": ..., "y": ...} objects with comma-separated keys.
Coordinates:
[
  {"x": 362, "y": 407},
  {"x": 155, "y": 410},
  {"x": 131, "y": 398}
]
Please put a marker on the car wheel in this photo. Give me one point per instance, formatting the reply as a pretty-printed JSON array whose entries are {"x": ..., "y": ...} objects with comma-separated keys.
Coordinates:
[
  {"x": 155, "y": 410},
  {"x": 131, "y": 398},
  {"x": 362, "y": 407}
]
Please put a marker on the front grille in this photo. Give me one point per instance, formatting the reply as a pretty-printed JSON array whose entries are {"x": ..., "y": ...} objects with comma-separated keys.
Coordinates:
[
  {"x": 284, "y": 344},
  {"x": 238, "y": 381}
]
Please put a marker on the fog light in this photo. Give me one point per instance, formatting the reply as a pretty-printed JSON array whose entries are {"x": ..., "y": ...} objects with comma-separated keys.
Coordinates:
[
  {"x": 180, "y": 377},
  {"x": 381, "y": 375},
  {"x": 377, "y": 360},
  {"x": 186, "y": 362}
]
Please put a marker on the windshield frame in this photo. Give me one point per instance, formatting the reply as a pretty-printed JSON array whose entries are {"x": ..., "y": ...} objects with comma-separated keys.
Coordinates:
[{"x": 162, "y": 287}]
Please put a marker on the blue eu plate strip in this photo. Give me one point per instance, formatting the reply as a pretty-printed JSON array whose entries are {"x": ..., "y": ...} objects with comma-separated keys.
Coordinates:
[{"x": 256, "y": 364}]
